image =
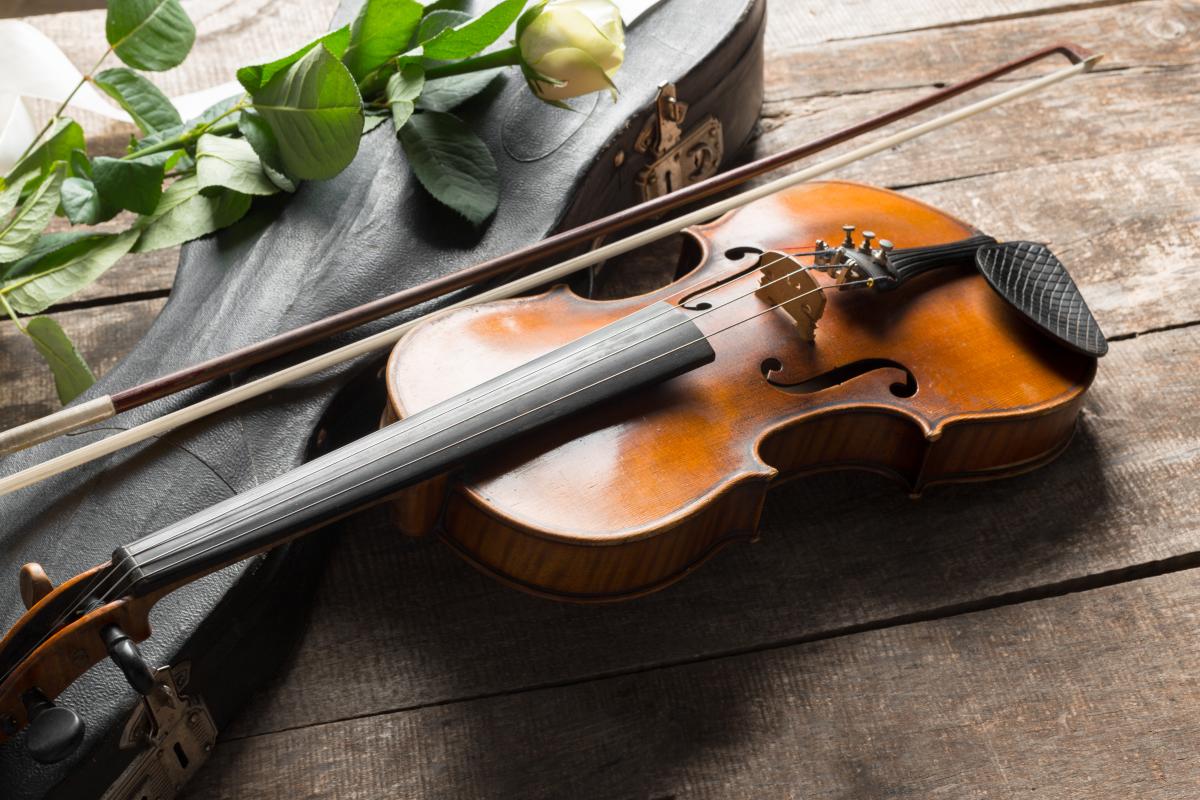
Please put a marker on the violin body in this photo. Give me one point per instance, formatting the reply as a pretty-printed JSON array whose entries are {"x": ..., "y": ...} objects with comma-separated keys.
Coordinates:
[
  {"x": 333, "y": 245},
  {"x": 937, "y": 381}
]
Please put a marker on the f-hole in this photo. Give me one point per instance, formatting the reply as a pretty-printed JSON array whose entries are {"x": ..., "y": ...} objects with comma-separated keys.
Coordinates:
[
  {"x": 839, "y": 375},
  {"x": 732, "y": 254},
  {"x": 182, "y": 756}
]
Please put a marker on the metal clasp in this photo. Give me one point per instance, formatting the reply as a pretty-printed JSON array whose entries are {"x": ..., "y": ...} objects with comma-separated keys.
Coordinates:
[
  {"x": 177, "y": 733},
  {"x": 679, "y": 159}
]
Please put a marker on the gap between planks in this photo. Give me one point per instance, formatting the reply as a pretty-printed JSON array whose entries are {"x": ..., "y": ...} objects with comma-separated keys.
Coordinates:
[
  {"x": 1074, "y": 696},
  {"x": 439, "y": 631},
  {"x": 1102, "y": 580}
]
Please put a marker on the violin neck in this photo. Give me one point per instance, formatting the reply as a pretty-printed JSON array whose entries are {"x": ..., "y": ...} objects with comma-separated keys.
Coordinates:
[{"x": 648, "y": 347}]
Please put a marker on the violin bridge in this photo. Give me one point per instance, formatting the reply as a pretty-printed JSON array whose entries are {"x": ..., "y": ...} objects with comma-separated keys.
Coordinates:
[{"x": 786, "y": 283}]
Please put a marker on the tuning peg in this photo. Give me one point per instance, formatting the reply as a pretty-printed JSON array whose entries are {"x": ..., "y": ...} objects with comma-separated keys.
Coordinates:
[
  {"x": 34, "y": 584},
  {"x": 866, "y": 242},
  {"x": 125, "y": 654},
  {"x": 849, "y": 240},
  {"x": 54, "y": 731}
]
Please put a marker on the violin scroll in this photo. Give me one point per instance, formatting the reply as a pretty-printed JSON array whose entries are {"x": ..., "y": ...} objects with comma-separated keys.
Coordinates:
[
  {"x": 34, "y": 584},
  {"x": 66, "y": 631}
]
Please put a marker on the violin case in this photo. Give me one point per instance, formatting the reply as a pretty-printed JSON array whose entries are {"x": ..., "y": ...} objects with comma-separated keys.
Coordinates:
[{"x": 690, "y": 95}]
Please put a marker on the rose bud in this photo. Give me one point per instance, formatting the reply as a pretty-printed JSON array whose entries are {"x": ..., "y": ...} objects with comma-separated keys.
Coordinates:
[{"x": 571, "y": 47}]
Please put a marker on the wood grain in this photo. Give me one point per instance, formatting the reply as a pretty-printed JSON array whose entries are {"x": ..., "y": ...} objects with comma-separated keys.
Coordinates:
[
  {"x": 798, "y": 23},
  {"x": 990, "y": 398},
  {"x": 402, "y": 624},
  {"x": 1088, "y": 695},
  {"x": 102, "y": 335},
  {"x": 786, "y": 668}
]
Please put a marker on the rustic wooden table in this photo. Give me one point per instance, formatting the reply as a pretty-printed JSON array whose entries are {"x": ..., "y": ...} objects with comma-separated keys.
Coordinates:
[{"x": 1038, "y": 635}]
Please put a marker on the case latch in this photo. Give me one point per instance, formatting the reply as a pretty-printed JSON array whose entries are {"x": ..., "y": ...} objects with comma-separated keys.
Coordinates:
[
  {"x": 680, "y": 159},
  {"x": 176, "y": 733}
]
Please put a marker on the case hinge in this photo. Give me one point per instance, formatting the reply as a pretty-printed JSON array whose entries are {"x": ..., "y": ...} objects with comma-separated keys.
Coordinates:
[{"x": 679, "y": 159}]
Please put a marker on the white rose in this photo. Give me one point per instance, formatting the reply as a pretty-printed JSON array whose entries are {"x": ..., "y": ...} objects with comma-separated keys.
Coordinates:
[{"x": 571, "y": 47}]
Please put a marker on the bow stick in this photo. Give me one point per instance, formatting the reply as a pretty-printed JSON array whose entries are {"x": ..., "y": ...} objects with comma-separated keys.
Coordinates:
[{"x": 105, "y": 407}]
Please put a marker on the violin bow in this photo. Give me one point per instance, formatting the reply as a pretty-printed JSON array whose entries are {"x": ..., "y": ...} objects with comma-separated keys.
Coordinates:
[{"x": 105, "y": 407}]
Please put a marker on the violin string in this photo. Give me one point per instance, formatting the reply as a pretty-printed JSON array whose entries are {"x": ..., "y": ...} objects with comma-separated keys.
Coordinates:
[
  {"x": 142, "y": 545},
  {"x": 508, "y": 421},
  {"x": 97, "y": 589},
  {"x": 354, "y": 449}
]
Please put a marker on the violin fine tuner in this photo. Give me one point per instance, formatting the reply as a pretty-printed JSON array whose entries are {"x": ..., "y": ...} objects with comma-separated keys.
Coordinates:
[{"x": 884, "y": 267}]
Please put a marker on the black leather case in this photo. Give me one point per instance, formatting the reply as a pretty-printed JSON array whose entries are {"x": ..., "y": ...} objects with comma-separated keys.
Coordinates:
[{"x": 370, "y": 231}]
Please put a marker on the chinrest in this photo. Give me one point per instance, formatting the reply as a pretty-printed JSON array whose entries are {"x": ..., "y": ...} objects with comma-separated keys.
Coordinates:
[{"x": 335, "y": 244}]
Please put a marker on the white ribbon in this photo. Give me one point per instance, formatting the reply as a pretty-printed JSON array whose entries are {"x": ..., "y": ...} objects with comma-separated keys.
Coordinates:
[{"x": 33, "y": 66}]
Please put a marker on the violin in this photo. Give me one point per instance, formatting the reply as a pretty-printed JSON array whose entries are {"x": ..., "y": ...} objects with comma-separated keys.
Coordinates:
[{"x": 597, "y": 450}]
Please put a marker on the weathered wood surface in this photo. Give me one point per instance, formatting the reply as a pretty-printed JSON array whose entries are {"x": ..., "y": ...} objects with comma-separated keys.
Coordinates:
[
  {"x": 865, "y": 556},
  {"x": 1087, "y": 695},
  {"x": 102, "y": 334},
  {"x": 832, "y": 658},
  {"x": 1139, "y": 147}
]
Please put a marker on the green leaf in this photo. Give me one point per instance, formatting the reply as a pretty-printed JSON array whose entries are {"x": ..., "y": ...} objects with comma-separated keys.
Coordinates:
[
  {"x": 260, "y": 136},
  {"x": 72, "y": 376},
  {"x": 382, "y": 29},
  {"x": 373, "y": 121},
  {"x": 210, "y": 114},
  {"x": 185, "y": 214},
  {"x": 11, "y": 193},
  {"x": 452, "y": 164},
  {"x": 134, "y": 184},
  {"x": 19, "y": 234},
  {"x": 315, "y": 112},
  {"x": 79, "y": 164},
  {"x": 82, "y": 203},
  {"x": 66, "y": 270},
  {"x": 255, "y": 77},
  {"x": 232, "y": 164},
  {"x": 467, "y": 39},
  {"x": 446, "y": 94},
  {"x": 437, "y": 21},
  {"x": 447, "y": 5},
  {"x": 149, "y": 34},
  {"x": 46, "y": 244},
  {"x": 65, "y": 136},
  {"x": 402, "y": 89},
  {"x": 149, "y": 107}
]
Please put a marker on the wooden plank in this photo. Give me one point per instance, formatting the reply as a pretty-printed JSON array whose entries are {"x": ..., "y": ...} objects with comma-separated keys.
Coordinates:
[
  {"x": 1124, "y": 225},
  {"x": 24, "y": 8},
  {"x": 1099, "y": 166},
  {"x": 794, "y": 24},
  {"x": 228, "y": 35},
  {"x": 1143, "y": 35},
  {"x": 1087, "y": 695},
  {"x": 1111, "y": 113},
  {"x": 399, "y": 624},
  {"x": 812, "y": 91},
  {"x": 103, "y": 336}
]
